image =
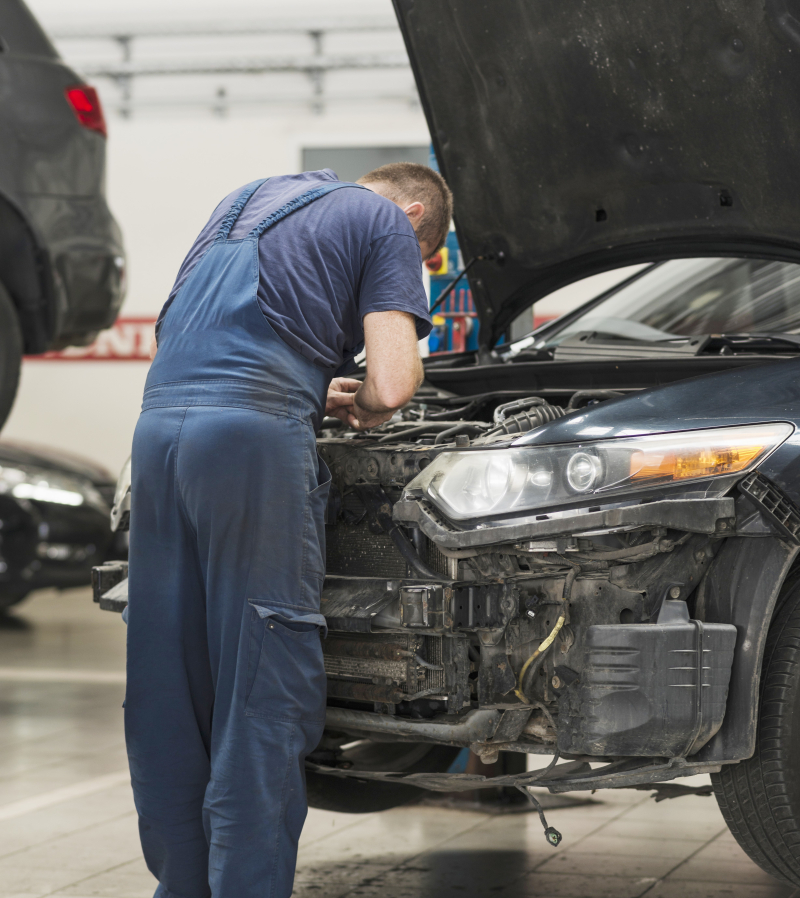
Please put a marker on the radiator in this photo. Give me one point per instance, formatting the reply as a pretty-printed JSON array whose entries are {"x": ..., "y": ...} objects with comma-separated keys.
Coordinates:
[{"x": 395, "y": 667}]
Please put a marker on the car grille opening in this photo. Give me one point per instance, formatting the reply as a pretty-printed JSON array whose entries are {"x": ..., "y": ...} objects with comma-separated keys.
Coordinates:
[{"x": 383, "y": 666}]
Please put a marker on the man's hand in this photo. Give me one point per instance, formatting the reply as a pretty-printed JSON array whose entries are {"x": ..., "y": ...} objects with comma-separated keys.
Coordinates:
[
  {"x": 341, "y": 404},
  {"x": 341, "y": 395}
]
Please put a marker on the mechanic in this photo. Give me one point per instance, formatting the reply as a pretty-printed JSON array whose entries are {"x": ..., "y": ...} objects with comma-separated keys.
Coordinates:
[{"x": 226, "y": 692}]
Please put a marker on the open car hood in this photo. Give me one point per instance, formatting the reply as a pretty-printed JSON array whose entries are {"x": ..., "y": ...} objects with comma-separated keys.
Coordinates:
[{"x": 579, "y": 137}]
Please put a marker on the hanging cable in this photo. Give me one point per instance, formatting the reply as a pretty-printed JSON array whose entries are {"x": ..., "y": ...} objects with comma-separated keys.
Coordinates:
[
  {"x": 552, "y": 835},
  {"x": 538, "y": 656}
]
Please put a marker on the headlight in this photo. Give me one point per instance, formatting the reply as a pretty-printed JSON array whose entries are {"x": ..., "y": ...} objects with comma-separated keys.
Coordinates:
[
  {"x": 493, "y": 482},
  {"x": 42, "y": 485},
  {"x": 583, "y": 471}
]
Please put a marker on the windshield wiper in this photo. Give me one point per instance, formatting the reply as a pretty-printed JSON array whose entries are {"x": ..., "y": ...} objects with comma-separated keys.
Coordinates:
[
  {"x": 730, "y": 344},
  {"x": 597, "y": 345}
]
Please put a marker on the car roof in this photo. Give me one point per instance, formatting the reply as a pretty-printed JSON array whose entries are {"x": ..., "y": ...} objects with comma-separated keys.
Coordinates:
[{"x": 20, "y": 33}]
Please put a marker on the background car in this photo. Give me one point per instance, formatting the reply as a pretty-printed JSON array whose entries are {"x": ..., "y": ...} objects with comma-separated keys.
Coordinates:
[
  {"x": 61, "y": 255},
  {"x": 54, "y": 520}
]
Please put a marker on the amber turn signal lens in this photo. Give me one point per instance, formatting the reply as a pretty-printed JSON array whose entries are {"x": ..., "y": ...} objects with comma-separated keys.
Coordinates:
[{"x": 695, "y": 462}]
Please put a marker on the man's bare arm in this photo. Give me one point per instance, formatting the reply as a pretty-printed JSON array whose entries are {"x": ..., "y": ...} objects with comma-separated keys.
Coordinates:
[{"x": 394, "y": 368}]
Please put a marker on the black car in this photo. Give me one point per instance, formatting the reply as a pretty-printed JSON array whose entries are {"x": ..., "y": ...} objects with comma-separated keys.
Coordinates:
[
  {"x": 61, "y": 256},
  {"x": 54, "y": 520},
  {"x": 585, "y": 544}
]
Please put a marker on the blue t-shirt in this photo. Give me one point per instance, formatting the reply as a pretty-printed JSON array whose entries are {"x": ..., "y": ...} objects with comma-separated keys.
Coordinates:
[{"x": 325, "y": 266}]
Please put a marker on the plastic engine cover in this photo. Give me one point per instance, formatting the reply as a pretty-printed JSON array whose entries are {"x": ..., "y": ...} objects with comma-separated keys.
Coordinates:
[{"x": 638, "y": 694}]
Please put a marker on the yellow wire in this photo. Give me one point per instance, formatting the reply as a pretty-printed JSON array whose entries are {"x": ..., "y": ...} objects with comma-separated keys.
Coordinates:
[{"x": 542, "y": 648}]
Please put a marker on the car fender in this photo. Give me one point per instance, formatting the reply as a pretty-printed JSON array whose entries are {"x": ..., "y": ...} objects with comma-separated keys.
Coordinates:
[{"x": 742, "y": 588}]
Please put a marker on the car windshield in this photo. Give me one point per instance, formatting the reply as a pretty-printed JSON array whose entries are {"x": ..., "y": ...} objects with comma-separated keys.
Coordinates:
[{"x": 688, "y": 297}]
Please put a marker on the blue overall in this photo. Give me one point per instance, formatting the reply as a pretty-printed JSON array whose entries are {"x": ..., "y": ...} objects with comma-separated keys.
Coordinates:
[{"x": 226, "y": 685}]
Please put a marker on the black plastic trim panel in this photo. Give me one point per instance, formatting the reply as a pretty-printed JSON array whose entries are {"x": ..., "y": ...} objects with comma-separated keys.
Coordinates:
[
  {"x": 712, "y": 516},
  {"x": 780, "y": 511}
]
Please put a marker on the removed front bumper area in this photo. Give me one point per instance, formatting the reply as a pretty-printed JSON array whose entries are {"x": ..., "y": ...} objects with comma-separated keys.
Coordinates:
[{"x": 639, "y": 619}]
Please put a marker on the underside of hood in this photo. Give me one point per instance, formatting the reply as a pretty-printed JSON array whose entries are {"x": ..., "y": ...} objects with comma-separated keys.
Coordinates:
[{"x": 579, "y": 137}]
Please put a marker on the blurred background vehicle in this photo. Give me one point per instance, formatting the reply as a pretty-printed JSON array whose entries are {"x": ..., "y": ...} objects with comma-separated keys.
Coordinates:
[
  {"x": 61, "y": 256},
  {"x": 54, "y": 520}
]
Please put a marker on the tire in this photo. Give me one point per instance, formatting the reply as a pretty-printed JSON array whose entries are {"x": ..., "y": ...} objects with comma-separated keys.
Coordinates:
[
  {"x": 351, "y": 796},
  {"x": 11, "y": 348},
  {"x": 760, "y": 797}
]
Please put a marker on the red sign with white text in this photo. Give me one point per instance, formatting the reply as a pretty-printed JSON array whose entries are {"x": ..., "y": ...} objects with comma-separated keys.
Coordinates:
[{"x": 127, "y": 341}]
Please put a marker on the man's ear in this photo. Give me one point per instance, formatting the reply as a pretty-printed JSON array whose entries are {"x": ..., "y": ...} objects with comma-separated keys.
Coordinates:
[{"x": 414, "y": 211}]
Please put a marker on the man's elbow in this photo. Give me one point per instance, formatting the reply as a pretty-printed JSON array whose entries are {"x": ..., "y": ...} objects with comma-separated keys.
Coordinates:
[
  {"x": 394, "y": 396},
  {"x": 395, "y": 392}
]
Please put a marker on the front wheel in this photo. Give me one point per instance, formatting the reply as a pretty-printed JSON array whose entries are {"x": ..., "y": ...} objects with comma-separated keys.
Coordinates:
[{"x": 760, "y": 797}]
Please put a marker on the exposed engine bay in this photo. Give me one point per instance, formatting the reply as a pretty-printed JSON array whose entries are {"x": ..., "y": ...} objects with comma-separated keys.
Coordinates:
[{"x": 531, "y": 644}]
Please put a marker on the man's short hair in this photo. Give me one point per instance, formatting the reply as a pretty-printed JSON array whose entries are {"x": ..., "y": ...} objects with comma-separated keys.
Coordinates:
[{"x": 410, "y": 182}]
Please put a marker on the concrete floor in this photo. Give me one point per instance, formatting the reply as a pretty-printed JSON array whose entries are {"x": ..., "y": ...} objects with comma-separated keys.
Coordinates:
[{"x": 67, "y": 825}]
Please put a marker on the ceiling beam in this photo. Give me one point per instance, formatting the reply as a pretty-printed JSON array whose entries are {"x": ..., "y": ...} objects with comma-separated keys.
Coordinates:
[
  {"x": 227, "y": 29},
  {"x": 303, "y": 64}
]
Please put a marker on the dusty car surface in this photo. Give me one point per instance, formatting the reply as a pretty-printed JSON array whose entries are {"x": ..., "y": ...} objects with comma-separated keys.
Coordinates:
[
  {"x": 583, "y": 544},
  {"x": 61, "y": 255}
]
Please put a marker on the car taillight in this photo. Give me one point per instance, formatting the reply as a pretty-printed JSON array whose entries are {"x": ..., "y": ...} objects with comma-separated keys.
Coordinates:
[{"x": 86, "y": 105}]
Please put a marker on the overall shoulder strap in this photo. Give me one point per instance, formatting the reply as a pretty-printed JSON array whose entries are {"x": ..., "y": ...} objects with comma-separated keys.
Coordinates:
[
  {"x": 236, "y": 210},
  {"x": 298, "y": 202}
]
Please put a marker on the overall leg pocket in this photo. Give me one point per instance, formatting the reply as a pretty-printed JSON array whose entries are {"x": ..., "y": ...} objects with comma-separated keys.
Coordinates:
[
  {"x": 286, "y": 674},
  {"x": 314, "y": 529}
]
